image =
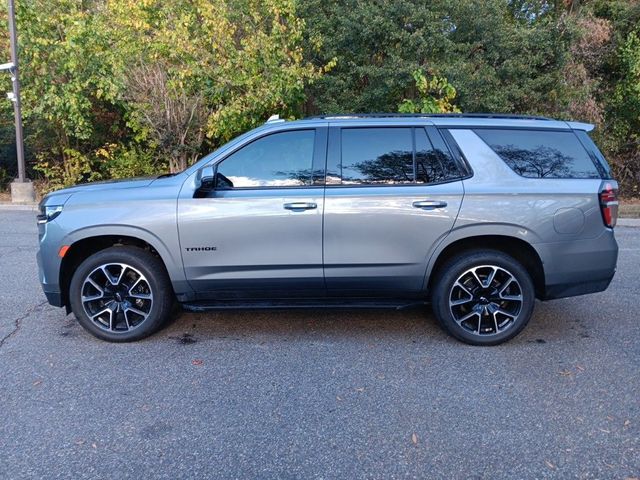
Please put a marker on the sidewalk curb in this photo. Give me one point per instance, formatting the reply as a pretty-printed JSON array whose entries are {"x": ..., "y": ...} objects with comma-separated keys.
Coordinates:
[
  {"x": 29, "y": 207},
  {"x": 628, "y": 222}
]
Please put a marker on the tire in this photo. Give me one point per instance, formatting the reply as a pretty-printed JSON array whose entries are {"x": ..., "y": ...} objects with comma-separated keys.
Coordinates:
[
  {"x": 132, "y": 308},
  {"x": 483, "y": 297}
]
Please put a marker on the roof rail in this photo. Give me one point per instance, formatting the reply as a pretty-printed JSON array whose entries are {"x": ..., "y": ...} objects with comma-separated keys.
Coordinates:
[{"x": 509, "y": 116}]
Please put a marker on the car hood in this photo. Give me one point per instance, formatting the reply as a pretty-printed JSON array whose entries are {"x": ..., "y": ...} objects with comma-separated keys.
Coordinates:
[{"x": 59, "y": 197}]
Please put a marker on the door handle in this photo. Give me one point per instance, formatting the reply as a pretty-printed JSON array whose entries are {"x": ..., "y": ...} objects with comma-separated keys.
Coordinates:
[
  {"x": 298, "y": 206},
  {"x": 429, "y": 204}
]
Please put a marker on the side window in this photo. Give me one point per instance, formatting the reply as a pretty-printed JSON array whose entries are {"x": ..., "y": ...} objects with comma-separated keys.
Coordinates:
[
  {"x": 377, "y": 156},
  {"x": 541, "y": 153},
  {"x": 589, "y": 144},
  {"x": 430, "y": 161},
  {"x": 278, "y": 160}
]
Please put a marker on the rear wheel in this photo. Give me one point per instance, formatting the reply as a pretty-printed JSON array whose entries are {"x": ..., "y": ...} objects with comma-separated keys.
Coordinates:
[
  {"x": 121, "y": 294},
  {"x": 483, "y": 297}
]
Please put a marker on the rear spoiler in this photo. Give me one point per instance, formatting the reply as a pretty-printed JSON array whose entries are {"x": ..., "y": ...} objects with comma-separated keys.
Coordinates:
[{"x": 587, "y": 127}]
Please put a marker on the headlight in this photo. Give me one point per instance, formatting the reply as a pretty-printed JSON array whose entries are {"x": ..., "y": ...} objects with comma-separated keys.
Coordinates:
[{"x": 48, "y": 213}]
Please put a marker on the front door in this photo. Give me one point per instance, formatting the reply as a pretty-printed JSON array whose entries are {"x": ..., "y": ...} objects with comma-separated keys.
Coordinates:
[
  {"x": 259, "y": 233},
  {"x": 391, "y": 195}
]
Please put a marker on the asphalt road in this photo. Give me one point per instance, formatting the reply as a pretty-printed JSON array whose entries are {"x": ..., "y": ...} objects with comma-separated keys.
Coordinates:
[{"x": 318, "y": 394}]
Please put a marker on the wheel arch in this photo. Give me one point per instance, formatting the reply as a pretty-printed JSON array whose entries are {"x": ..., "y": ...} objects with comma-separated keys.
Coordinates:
[
  {"x": 519, "y": 249},
  {"x": 84, "y": 245}
]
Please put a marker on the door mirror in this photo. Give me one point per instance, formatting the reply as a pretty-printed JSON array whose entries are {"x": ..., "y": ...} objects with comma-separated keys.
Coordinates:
[{"x": 205, "y": 181}]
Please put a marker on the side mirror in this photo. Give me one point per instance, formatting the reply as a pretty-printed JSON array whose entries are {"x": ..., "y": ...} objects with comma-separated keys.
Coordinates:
[{"x": 205, "y": 181}]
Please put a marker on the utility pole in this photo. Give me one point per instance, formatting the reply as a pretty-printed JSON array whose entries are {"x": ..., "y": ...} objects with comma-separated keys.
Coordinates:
[{"x": 21, "y": 188}]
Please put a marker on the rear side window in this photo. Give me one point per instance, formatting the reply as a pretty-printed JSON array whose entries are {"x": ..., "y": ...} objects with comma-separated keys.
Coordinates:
[
  {"x": 377, "y": 155},
  {"x": 591, "y": 147},
  {"x": 391, "y": 156},
  {"x": 541, "y": 153},
  {"x": 433, "y": 165}
]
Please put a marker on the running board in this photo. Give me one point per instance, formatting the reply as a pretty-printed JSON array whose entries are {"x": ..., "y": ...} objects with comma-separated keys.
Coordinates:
[{"x": 203, "y": 306}]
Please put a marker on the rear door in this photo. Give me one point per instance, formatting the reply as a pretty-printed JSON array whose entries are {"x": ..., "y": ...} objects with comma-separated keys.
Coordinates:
[{"x": 392, "y": 194}]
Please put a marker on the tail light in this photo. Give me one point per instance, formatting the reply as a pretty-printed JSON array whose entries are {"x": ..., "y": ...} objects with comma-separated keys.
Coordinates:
[{"x": 609, "y": 204}]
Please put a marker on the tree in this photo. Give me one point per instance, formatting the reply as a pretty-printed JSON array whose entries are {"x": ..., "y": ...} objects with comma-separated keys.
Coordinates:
[
  {"x": 608, "y": 52},
  {"x": 68, "y": 91},
  {"x": 435, "y": 95},
  {"x": 120, "y": 87},
  {"x": 205, "y": 70},
  {"x": 497, "y": 57}
]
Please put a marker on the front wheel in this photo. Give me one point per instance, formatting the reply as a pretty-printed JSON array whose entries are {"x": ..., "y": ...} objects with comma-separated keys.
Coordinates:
[
  {"x": 483, "y": 297},
  {"x": 121, "y": 294}
]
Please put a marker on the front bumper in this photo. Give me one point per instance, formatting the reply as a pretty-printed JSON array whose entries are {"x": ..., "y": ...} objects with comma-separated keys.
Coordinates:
[
  {"x": 49, "y": 263},
  {"x": 54, "y": 298}
]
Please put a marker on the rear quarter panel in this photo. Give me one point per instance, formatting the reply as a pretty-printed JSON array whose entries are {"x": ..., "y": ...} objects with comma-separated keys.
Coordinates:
[{"x": 560, "y": 218}]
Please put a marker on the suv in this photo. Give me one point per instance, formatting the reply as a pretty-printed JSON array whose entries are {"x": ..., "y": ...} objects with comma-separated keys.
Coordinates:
[{"x": 477, "y": 214}]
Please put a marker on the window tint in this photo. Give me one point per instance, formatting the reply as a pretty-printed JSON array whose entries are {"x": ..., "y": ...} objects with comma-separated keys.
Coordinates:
[
  {"x": 433, "y": 165},
  {"x": 541, "y": 154},
  {"x": 277, "y": 160},
  {"x": 377, "y": 156},
  {"x": 450, "y": 166},
  {"x": 589, "y": 144}
]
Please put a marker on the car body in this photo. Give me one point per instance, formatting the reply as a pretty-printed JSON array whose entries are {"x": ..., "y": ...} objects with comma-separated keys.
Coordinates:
[{"x": 340, "y": 228}]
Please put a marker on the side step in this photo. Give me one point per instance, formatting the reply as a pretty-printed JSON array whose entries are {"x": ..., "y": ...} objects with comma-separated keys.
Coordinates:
[{"x": 340, "y": 303}]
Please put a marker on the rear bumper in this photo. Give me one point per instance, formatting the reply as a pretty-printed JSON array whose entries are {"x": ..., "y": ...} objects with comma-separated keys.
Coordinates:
[
  {"x": 578, "y": 267},
  {"x": 575, "y": 289}
]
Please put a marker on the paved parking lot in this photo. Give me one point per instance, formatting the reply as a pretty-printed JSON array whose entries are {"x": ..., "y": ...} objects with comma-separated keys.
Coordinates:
[{"x": 318, "y": 394}]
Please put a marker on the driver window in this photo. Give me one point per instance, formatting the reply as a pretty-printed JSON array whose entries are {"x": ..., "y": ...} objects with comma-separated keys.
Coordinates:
[{"x": 278, "y": 160}]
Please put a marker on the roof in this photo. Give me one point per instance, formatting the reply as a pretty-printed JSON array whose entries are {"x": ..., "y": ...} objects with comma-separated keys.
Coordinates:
[{"x": 442, "y": 119}]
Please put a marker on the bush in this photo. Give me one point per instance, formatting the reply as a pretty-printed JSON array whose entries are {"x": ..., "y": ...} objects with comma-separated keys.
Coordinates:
[
  {"x": 110, "y": 161},
  {"x": 5, "y": 178}
]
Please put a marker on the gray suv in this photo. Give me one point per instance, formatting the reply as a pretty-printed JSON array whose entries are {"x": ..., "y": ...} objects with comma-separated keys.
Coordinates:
[{"x": 478, "y": 215}]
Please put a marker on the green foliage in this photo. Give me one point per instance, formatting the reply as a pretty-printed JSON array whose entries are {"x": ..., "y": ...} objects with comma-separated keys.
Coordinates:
[
  {"x": 110, "y": 161},
  {"x": 626, "y": 99},
  {"x": 118, "y": 161},
  {"x": 201, "y": 72},
  {"x": 121, "y": 87},
  {"x": 74, "y": 168},
  {"x": 435, "y": 95},
  {"x": 5, "y": 178},
  {"x": 618, "y": 75},
  {"x": 500, "y": 63},
  {"x": 497, "y": 60}
]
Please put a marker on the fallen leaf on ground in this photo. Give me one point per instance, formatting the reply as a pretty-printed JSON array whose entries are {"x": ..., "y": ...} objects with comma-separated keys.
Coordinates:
[
  {"x": 549, "y": 464},
  {"x": 197, "y": 361},
  {"x": 37, "y": 382},
  {"x": 414, "y": 439}
]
